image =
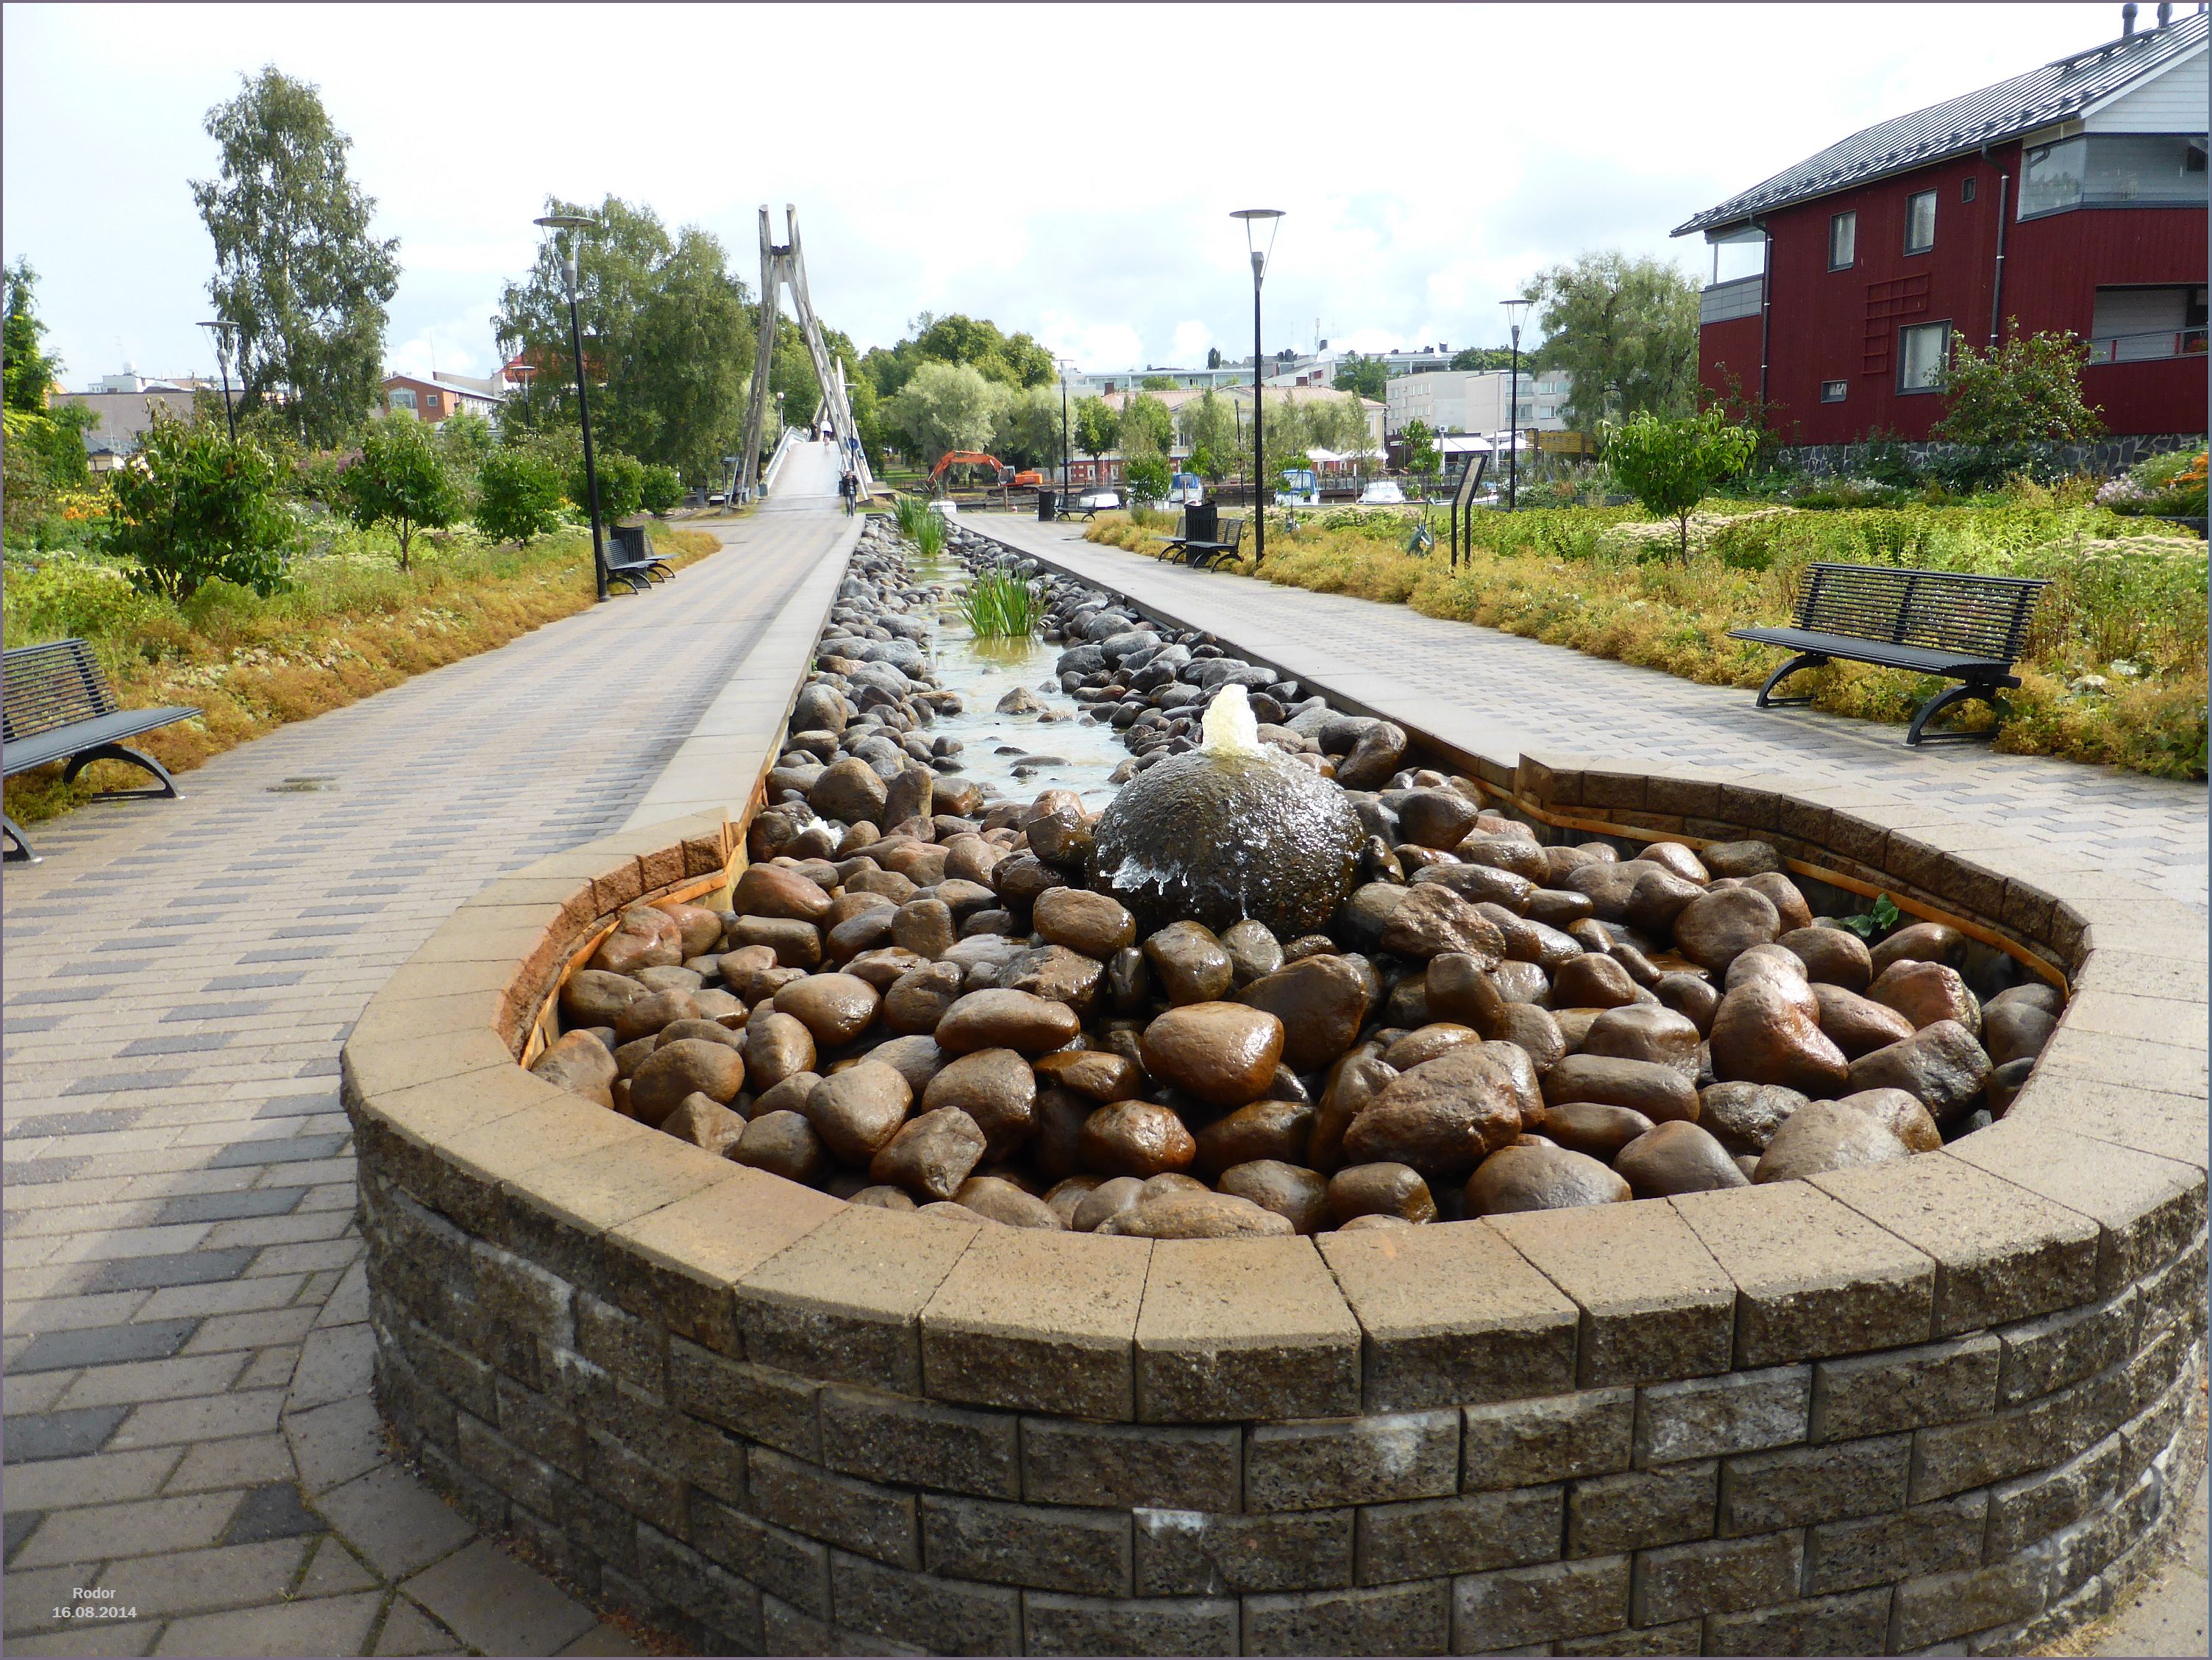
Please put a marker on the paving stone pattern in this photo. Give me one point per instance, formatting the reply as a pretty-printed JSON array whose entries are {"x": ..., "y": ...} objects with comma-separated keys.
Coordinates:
[
  {"x": 1465, "y": 682},
  {"x": 189, "y": 1429}
]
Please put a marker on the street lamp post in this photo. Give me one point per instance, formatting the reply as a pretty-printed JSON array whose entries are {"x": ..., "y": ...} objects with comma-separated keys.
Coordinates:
[
  {"x": 576, "y": 224},
  {"x": 1513, "y": 310},
  {"x": 220, "y": 328},
  {"x": 1253, "y": 218},
  {"x": 1065, "y": 468}
]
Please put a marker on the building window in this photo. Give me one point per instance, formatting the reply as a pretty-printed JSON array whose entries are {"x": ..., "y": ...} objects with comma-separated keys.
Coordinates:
[
  {"x": 1920, "y": 221},
  {"x": 1922, "y": 353},
  {"x": 2135, "y": 324},
  {"x": 402, "y": 398},
  {"x": 1965, "y": 190},
  {"x": 1832, "y": 392},
  {"x": 2114, "y": 170},
  {"x": 1842, "y": 241}
]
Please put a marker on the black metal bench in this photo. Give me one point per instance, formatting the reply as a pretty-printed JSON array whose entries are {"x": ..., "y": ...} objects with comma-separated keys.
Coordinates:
[
  {"x": 630, "y": 558},
  {"x": 58, "y": 707},
  {"x": 1962, "y": 627},
  {"x": 1209, "y": 553}
]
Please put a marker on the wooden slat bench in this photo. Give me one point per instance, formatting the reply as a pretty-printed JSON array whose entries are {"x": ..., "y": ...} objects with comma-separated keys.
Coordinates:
[
  {"x": 1962, "y": 627},
  {"x": 59, "y": 707}
]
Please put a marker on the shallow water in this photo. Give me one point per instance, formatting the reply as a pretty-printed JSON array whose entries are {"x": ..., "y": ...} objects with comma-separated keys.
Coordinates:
[{"x": 1047, "y": 754}]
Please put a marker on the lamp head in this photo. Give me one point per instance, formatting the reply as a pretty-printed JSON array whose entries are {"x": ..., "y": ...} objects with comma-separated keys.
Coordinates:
[{"x": 1254, "y": 219}]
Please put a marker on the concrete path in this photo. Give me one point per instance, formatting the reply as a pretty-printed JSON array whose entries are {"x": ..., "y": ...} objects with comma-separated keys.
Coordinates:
[
  {"x": 1479, "y": 686},
  {"x": 189, "y": 1435}
]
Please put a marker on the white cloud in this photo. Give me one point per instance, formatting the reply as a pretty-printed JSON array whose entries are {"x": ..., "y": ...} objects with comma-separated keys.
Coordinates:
[{"x": 953, "y": 176}]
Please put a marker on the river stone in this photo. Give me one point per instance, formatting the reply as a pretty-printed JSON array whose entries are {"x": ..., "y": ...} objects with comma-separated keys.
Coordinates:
[
  {"x": 1763, "y": 1035},
  {"x": 885, "y": 966},
  {"x": 1434, "y": 818},
  {"x": 1091, "y": 923},
  {"x": 2034, "y": 994},
  {"x": 1322, "y": 1002},
  {"x": 999, "y": 1018},
  {"x": 1741, "y": 859},
  {"x": 1556, "y": 907},
  {"x": 915, "y": 1057},
  {"x": 1056, "y": 973},
  {"x": 1185, "y": 1215},
  {"x": 789, "y": 1096},
  {"x": 881, "y": 1197},
  {"x": 1443, "y": 1117},
  {"x": 1374, "y": 756},
  {"x": 1679, "y": 860},
  {"x": 1691, "y": 996},
  {"x": 1520, "y": 1178},
  {"x": 1768, "y": 962},
  {"x": 820, "y": 707},
  {"x": 930, "y": 1155},
  {"x": 1056, "y": 1144},
  {"x": 1294, "y": 1193},
  {"x": 969, "y": 858},
  {"x": 643, "y": 938},
  {"x": 1743, "y": 1118},
  {"x": 1645, "y": 1031},
  {"x": 1921, "y": 942},
  {"x": 2004, "y": 1086},
  {"x": 713, "y": 1030},
  {"x": 848, "y": 790},
  {"x": 999, "y": 1201},
  {"x": 924, "y": 925},
  {"x": 1718, "y": 925},
  {"x": 835, "y": 1008},
  {"x": 1136, "y": 1138},
  {"x": 1659, "y": 896},
  {"x": 1783, "y": 895},
  {"x": 594, "y": 997},
  {"x": 918, "y": 999},
  {"x": 1353, "y": 1083},
  {"x": 1826, "y": 1135},
  {"x": 675, "y": 1070},
  {"x": 1592, "y": 980},
  {"x": 1480, "y": 885},
  {"x": 1833, "y": 956},
  {"x": 2015, "y": 1031},
  {"x": 1433, "y": 920},
  {"x": 911, "y": 795},
  {"x": 865, "y": 929},
  {"x": 1366, "y": 913},
  {"x": 1858, "y": 1024},
  {"x": 705, "y": 1123},
  {"x": 1677, "y": 1157},
  {"x": 796, "y": 944},
  {"x": 776, "y": 1046},
  {"x": 1592, "y": 1128},
  {"x": 1923, "y": 992},
  {"x": 651, "y": 1014},
  {"x": 1428, "y": 1042},
  {"x": 857, "y": 1111},
  {"x": 996, "y": 1091},
  {"x": 1254, "y": 950},
  {"x": 1190, "y": 962},
  {"x": 1941, "y": 1066},
  {"x": 1108, "y": 1200},
  {"x": 779, "y": 891},
  {"x": 1381, "y": 1189},
  {"x": 1264, "y": 1129},
  {"x": 1659, "y": 1092},
  {"x": 1906, "y": 1119},
  {"x": 783, "y": 1144},
  {"x": 582, "y": 1064},
  {"x": 1098, "y": 1075},
  {"x": 1223, "y": 1054}
]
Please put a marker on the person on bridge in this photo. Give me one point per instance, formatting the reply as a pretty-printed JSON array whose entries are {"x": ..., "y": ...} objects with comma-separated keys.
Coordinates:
[{"x": 848, "y": 487}]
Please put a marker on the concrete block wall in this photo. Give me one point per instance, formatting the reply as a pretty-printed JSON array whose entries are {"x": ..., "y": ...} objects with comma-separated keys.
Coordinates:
[{"x": 1948, "y": 1405}]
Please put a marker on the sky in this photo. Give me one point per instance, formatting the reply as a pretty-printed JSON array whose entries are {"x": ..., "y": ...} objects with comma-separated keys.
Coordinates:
[{"x": 1067, "y": 171}]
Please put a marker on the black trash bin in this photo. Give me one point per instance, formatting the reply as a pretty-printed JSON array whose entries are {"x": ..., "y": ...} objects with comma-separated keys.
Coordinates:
[
  {"x": 1201, "y": 521},
  {"x": 1048, "y": 506}
]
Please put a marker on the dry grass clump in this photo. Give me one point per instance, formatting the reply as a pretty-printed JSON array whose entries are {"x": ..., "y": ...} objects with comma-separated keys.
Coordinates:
[
  {"x": 2115, "y": 669},
  {"x": 350, "y": 623}
]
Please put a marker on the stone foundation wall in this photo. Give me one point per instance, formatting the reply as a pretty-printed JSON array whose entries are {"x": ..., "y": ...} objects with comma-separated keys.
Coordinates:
[
  {"x": 2102, "y": 458},
  {"x": 1951, "y": 1402}
]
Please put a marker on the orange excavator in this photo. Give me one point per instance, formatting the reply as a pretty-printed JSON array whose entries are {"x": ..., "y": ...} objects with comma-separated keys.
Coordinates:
[{"x": 1001, "y": 475}]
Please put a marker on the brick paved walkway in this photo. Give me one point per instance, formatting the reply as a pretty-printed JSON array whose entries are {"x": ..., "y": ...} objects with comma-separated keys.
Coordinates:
[
  {"x": 1467, "y": 683},
  {"x": 188, "y": 1424}
]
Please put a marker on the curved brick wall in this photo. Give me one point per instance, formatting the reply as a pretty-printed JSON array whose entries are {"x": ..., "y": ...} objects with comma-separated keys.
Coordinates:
[{"x": 1953, "y": 1401}]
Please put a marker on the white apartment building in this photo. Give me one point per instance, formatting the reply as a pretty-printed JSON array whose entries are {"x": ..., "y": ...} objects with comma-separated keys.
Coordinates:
[{"x": 1473, "y": 400}]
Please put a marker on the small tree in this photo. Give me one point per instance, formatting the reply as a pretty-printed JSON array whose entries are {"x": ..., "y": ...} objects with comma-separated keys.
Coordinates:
[
  {"x": 1147, "y": 427},
  {"x": 1669, "y": 465},
  {"x": 193, "y": 507},
  {"x": 1148, "y": 479},
  {"x": 466, "y": 438},
  {"x": 2015, "y": 397},
  {"x": 518, "y": 496},
  {"x": 1420, "y": 449},
  {"x": 1097, "y": 427},
  {"x": 659, "y": 489},
  {"x": 402, "y": 481}
]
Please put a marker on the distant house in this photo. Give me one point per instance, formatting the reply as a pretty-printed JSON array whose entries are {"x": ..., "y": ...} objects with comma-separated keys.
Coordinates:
[
  {"x": 127, "y": 405},
  {"x": 435, "y": 399},
  {"x": 1473, "y": 400},
  {"x": 2070, "y": 199}
]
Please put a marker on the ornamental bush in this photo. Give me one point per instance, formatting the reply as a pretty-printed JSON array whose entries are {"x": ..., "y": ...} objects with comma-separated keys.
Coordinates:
[
  {"x": 193, "y": 507},
  {"x": 660, "y": 489},
  {"x": 518, "y": 496},
  {"x": 402, "y": 481}
]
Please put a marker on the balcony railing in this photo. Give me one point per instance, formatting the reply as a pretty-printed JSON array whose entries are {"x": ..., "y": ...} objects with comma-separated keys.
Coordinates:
[{"x": 2147, "y": 348}]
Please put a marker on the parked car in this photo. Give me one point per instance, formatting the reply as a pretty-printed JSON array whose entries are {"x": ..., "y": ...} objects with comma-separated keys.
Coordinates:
[
  {"x": 945, "y": 508},
  {"x": 1098, "y": 501},
  {"x": 1381, "y": 493}
]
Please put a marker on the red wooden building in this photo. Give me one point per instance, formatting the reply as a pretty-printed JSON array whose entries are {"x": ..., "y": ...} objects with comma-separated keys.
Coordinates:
[{"x": 2072, "y": 198}]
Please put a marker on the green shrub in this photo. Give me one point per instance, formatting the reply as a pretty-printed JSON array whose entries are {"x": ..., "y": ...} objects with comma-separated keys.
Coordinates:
[
  {"x": 193, "y": 508},
  {"x": 1670, "y": 466},
  {"x": 622, "y": 485},
  {"x": 660, "y": 489},
  {"x": 1147, "y": 478},
  {"x": 401, "y": 480},
  {"x": 518, "y": 496}
]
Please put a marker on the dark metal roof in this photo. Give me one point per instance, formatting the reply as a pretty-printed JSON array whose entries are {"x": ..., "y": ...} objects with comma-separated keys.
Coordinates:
[{"x": 2059, "y": 91}]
